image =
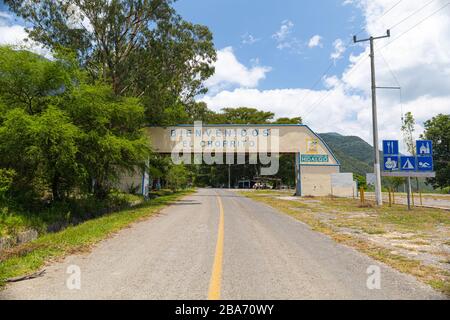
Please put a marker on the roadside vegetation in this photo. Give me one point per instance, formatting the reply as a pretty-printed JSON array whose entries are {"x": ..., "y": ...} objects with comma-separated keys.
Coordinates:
[
  {"x": 55, "y": 217},
  {"x": 414, "y": 242},
  {"x": 72, "y": 117},
  {"x": 30, "y": 257}
]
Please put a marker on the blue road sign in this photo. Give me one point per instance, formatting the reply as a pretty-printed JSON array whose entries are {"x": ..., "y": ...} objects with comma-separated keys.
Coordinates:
[
  {"x": 425, "y": 163},
  {"x": 391, "y": 163},
  {"x": 424, "y": 148},
  {"x": 408, "y": 164},
  {"x": 390, "y": 148}
]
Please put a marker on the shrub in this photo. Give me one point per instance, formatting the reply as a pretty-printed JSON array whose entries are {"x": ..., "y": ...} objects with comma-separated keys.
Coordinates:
[{"x": 6, "y": 180}]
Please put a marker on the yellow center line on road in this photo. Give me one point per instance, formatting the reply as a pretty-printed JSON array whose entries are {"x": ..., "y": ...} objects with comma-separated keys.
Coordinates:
[{"x": 216, "y": 275}]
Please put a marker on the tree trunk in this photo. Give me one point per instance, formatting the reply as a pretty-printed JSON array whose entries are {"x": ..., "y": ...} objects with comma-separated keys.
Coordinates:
[{"x": 55, "y": 188}]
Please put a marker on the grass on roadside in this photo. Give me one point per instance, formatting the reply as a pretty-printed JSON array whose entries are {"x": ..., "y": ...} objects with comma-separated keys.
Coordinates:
[
  {"x": 29, "y": 257},
  {"x": 381, "y": 220},
  {"x": 40, "y": 216},
  {"x": 345, "y": 213}
]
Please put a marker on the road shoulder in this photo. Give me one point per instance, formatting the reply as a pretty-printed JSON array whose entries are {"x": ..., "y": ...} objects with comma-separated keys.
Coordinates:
[{"x": 350, "y": 225}]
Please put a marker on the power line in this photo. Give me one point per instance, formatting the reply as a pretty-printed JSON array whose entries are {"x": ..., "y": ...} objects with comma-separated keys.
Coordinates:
[
  {"x": 412, "y": 14},
  {"x": 401, "y": 35},
  {"x": 390, "y": 69},
  {"x": 320, "y": 100},
  {"x": 315, "y": 104},
  {"x": 398, "y": 83},
  {"x": 317, "y": 82},
  {"x": 392, "y": 8},
  {"x": 363, "y": 27},
  {"x": 416, "y": 25},
  {"x": 356, "y": 66},
  {"x": 330, "y": 66},
  {"x": 332, "y": 63},
  {"x": 329, "y": 92}
]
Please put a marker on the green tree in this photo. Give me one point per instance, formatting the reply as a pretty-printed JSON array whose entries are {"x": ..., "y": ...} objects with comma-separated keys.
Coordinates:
[
  {"x": 287, "y": 169},
  {"x": 408, "y": 128},
  {"x": 38, "y": 148},
  {"x": 361, "y": 180},
  {"x": 298, "y": 120},
  {"x": 438, "y": 131},
  {"x": 111, "y": 137},
  {"x": 394, "y": 182},
  {"x": 171, "y": 69},
  {"x": 243, "y": 115},
  {"x": 143, "y": 48},
  {"x": 30, "y": 81},
  {"x": 103, "y": 33},
  {"x": 198, "y": 111},
  {"x": 15, "y": 140},
  {"x": 177, "y": 177},
  {"x": 6, "y": 180},
  {"x": 54, "y": 151},
  {"x": 76, "y": 133}
]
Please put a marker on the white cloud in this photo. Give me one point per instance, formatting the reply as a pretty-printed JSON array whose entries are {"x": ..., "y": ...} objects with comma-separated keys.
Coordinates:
[
  {"x": 16, "y": 35},
  {"x": 284, "y": 39},
  {"x": 230, "y": 72},
  {"x": 4, "y": 16},
  {"x": 297, "y": 102},
  {"x": 284, "y": 31},
  {"x": 13, "y": 35},
  {"x": 76, "y": 20},
  {"x": 339, "y": 49},
  {"x": 315, "y": 41},
  {"x": 420, "y": 61},
  {"x": 249, "y": 39}
]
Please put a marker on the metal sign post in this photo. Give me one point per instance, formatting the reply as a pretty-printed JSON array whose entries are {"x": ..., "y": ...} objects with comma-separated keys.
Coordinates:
[
  {"x": 409, "y": 193},
  {"x": 408, "y": 176}
]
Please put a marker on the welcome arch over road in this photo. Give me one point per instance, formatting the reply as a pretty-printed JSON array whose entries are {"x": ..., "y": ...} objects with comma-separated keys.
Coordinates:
[{"x": 315, "y": 162}]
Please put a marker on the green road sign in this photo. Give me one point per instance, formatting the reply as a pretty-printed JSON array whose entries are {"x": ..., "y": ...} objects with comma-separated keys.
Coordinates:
[{"x": 319, "y": 158}]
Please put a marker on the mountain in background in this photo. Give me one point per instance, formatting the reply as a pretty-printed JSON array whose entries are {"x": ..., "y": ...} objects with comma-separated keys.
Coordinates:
[{"x": 354, "y": 154}]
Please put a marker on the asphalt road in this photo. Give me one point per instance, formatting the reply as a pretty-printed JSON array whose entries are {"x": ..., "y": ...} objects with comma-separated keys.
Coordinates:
[{"x": 216, "y": 244}]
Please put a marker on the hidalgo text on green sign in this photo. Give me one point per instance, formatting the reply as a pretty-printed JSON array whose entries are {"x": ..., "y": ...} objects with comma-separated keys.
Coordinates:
[{"x": 306, "y": 158}]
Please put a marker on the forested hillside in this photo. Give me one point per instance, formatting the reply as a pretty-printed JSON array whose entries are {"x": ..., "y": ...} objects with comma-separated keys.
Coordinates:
[{"x": 354, "y": 154}]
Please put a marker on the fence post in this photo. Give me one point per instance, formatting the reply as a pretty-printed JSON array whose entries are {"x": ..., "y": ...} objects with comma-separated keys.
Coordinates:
[
  {"x": 363, "y": 200},
  {"x": 390, "y": 197}
]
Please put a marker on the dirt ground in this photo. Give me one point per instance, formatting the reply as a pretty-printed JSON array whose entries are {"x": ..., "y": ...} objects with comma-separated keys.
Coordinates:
[
  {"x": 428, "y": 200},
  {"x": 421, "y": 235}
]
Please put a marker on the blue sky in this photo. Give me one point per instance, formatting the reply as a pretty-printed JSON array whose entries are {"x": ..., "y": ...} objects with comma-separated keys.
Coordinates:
[
  {"x": 270, "y": 53},
  {"x": 232, "y": 21}
]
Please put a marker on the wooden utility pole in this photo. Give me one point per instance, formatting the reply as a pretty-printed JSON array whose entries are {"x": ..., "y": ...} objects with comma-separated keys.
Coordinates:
[{"x": 377, "y": 166}]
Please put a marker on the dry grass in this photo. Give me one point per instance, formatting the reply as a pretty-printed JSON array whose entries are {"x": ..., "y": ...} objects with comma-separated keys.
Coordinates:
[{"x": 336, "y": 217}]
